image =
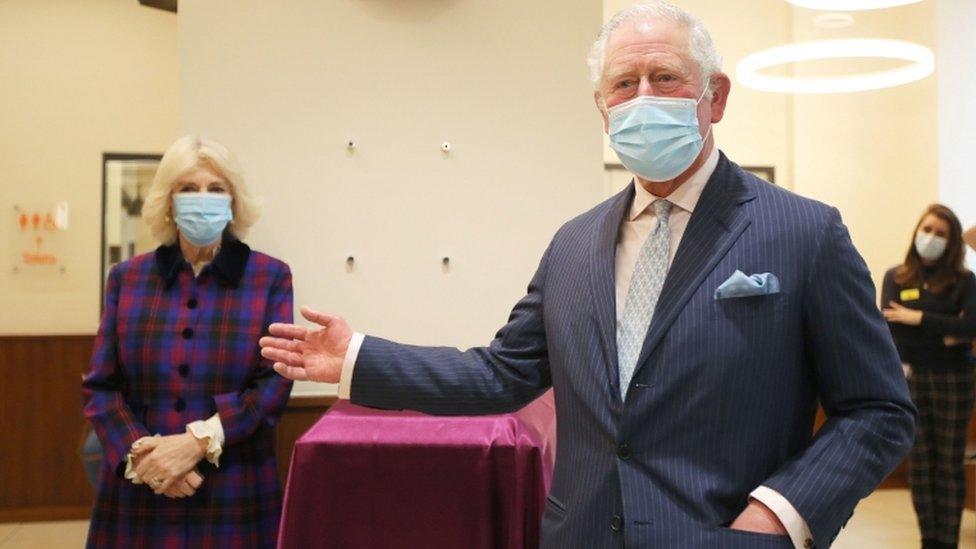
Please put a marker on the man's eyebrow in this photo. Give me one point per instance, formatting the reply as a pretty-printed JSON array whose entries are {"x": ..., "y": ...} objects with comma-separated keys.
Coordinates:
[
  {"x": 612, "y": 74},
  {"x": 664, "y": 66},
  {"x": 670, "y": 67}
]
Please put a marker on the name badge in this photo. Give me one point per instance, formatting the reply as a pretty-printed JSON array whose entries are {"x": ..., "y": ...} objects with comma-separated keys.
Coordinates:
[{"x": 910, "y": 294}]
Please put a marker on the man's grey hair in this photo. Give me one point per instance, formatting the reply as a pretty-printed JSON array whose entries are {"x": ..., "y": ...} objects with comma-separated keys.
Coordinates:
[{"x": 700, "y": 44}]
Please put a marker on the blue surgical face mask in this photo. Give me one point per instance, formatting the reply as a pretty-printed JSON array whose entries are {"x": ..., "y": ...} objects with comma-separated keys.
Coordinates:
[
  {"x": 201, "y": 217},
  {"x": 929, "y": 246},
  {"x": 657, "y": 138}
]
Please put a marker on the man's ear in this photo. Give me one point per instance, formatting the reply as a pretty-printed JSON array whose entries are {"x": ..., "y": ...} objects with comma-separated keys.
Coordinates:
[
  {"x": 720, "y": 95},
  {"x": 601, "y": 106}
]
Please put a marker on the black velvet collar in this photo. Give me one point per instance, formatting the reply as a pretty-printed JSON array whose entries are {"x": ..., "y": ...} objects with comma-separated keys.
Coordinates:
[{"x": 228, "y": 265}]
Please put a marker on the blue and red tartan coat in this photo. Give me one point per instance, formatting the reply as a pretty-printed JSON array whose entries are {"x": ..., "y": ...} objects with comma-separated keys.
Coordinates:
[{"x": 171, "y": 349}]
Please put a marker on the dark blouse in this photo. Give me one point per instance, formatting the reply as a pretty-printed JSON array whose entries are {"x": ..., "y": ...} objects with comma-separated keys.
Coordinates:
[{"x": 952, "y": 313}]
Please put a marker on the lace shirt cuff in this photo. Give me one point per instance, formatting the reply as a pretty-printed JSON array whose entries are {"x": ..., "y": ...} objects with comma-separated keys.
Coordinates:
[{"x": 213, "y": 430}]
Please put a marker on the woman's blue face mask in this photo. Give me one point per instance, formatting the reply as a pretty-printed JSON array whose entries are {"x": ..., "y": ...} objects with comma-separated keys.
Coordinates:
[
  {"x": 657, "y": 138},
  {"x": 202, "y": 217}
]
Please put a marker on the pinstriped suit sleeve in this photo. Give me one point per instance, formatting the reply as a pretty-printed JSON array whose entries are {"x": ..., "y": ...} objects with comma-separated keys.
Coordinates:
[
  {"x": 502, "y": 377},
  {"x": 870, "y": 425}
]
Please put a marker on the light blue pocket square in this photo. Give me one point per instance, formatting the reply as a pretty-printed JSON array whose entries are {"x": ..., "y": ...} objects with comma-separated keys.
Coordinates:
[{"x": 740, "y": 285}]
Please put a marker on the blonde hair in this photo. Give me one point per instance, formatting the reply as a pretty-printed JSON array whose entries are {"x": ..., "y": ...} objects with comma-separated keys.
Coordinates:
[{"x": 184, "y": 155}]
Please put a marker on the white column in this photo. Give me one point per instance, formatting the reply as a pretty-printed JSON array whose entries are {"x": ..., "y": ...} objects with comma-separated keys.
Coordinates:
[{"x": 956, "y": 58}]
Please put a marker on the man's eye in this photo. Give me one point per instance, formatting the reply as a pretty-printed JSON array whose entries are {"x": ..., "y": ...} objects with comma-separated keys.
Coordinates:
[{"x": 625, "y": 84}]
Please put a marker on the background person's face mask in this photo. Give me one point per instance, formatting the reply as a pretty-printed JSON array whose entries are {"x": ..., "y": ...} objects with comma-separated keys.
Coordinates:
[
  {"x": 201, "y": 217},
  {"x": 929, "y": 246},
  {"x": 657, "y": 138}
]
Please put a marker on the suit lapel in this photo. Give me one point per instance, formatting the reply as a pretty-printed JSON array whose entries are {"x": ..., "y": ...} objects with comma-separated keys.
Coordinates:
[
  {"x": 603, "y": 280},
  {"x": 715, "y": 225}
]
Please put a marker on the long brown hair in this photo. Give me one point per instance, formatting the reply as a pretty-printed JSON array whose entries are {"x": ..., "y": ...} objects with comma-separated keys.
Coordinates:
[{"x": 948, "y": 270}]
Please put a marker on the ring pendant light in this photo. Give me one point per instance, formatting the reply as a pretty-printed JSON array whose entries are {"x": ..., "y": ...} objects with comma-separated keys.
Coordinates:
[
  {"x": 921, "y": 63},
  {"x": 851, "y": 5}
]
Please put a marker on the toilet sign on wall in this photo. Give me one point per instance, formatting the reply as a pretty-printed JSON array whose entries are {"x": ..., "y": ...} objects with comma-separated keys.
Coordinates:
[{"x": 38, "y": 236}]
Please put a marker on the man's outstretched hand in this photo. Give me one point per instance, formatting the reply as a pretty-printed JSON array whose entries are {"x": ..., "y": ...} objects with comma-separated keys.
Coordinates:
[{"x": 308, "y": 353}]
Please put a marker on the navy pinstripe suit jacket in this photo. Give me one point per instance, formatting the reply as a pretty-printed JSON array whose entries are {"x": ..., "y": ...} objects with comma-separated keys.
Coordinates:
[{"x": 725, "y": 392}]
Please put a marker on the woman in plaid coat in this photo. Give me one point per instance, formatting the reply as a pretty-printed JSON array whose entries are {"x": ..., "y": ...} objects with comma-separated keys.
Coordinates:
[
  {"x": 182, "y": 402},
  {"x": 930, "y": 304}
]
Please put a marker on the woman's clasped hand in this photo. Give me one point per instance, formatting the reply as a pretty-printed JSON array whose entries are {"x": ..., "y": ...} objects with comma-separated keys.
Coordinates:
[{"x": 167, "y": 464}]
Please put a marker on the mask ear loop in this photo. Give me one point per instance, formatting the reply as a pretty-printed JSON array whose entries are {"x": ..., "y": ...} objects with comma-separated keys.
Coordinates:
[
  {"x": 707, "y": 134},
  {"x": 708, "y": 83}
]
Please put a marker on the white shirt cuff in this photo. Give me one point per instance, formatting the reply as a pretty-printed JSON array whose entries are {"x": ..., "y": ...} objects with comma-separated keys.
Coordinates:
[
  {"x": 797, "y": 528},
  {"x": 130, "y": 470},
  {"x": 213, "y": 430},
  {"x": 349, "y": 364}
]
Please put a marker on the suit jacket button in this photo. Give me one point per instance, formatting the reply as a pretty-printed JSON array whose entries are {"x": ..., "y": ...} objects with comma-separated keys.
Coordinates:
[
  {"x": 616, "y": 523},
  {"x": 623, "y": 452},
  {"x": 808, "y": 543},
  {"x": 179, "y": 405}
]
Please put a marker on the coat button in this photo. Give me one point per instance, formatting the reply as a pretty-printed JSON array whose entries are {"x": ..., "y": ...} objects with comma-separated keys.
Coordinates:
[
  {"x": 616, "y": 523},
  {"x": 187, "y": 333},
  {"x": 623, "y": 452},
  {"x": 179, "y": 405},
  {"x": 184, "y": 370},
  {"x": 191, "y": 303},
  {"x": 808, "y": 543}
]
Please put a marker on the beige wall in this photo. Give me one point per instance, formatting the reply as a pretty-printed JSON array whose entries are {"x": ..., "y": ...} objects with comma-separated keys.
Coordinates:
[
  {"x": 504, "y": 82},
  {"x": 78, "y": 79}
]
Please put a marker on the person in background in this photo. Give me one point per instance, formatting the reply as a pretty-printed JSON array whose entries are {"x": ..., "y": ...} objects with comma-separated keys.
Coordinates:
[
  {"x": 183, "y": 404},
  {"x": 930, "y": 304}
]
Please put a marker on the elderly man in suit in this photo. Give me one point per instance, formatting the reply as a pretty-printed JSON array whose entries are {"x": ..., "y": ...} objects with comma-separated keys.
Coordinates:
[{"x": 689, "y": 326}]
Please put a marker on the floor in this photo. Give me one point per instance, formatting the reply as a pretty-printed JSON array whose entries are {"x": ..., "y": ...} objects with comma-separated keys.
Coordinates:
[
  {"x": 884, "y": 520},
  {"x": 43, "y": 535}
]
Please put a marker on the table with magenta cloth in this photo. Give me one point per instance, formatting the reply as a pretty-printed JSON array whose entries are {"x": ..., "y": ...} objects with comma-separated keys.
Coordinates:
[{"x": 374, "y": 478}]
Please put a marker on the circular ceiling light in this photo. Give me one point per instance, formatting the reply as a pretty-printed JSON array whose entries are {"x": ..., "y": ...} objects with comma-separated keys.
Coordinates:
[
  {"x": 850, "y": 5},
  {"x": 921, "y": 64}
]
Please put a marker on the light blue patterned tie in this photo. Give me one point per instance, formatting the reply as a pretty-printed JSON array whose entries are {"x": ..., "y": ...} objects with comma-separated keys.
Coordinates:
[{"x": 645, "y": 289}]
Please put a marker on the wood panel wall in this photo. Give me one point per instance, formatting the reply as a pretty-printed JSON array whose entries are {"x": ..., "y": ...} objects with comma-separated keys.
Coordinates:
[
  {"x": 41, "y": 477},
  {"x": 41, "y": 428}
]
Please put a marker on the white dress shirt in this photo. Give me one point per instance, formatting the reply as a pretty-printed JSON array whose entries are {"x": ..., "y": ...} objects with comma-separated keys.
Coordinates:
[
  {"x": 640, "y": 221},
  {"x": 634, "y": 230}
]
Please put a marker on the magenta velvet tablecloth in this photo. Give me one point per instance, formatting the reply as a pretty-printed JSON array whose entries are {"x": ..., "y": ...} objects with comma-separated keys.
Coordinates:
[{"x": 371, "y": 478}]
